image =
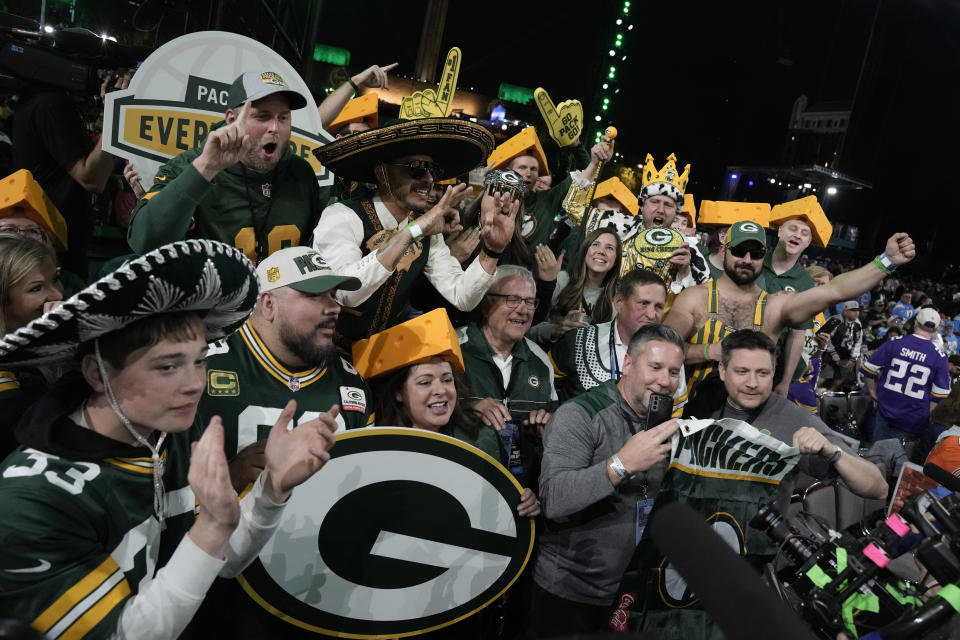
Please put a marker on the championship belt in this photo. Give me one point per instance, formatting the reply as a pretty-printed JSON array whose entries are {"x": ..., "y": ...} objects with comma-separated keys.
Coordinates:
[{"x": 651, "y": 249}]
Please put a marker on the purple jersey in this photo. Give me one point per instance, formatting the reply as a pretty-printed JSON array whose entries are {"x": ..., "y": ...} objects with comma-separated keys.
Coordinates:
[
  {"x": 911, "y": 373},
  {"x": 804, "y": 390}
]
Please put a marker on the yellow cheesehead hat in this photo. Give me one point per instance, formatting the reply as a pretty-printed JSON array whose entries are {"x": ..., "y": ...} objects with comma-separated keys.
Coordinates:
[
  {"x": 618, "y": 191},
  {"x": 414, "y": 341},
  {"x": 362, "y": 109},
  {"x": 808, "y": 210},
  {"x": 524, "y": 143},
  {"x": 21, "y": 195},
  {"x": 689, "y": 209},
  {"x": 727, "y": 213}
]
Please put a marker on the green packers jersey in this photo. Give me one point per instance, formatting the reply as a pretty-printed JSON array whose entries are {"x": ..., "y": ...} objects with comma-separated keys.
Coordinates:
[
  {"x": 284, "y": 205},
  {"x": 77, "y": 539},
  {"x": 248, "y": 388}
]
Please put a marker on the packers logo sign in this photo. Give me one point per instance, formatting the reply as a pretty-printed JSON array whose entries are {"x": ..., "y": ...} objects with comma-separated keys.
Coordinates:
[
  {"x": 180, "y": 92},
  {"x": 402, "y": 532}
]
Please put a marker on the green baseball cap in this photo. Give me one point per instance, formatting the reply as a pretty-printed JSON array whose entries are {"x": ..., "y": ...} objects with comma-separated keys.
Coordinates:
[
  {"x": 254, "y": 85},
  {"x": 740, "y": 232}
]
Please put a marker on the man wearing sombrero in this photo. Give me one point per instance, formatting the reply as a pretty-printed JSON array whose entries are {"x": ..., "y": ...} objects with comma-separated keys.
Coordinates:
[
  {"x": 391, "y": 240},
  {"x": 116, "y": 477}
]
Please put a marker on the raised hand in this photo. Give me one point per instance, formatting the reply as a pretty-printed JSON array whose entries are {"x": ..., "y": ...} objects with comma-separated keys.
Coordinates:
[
  {"x": 464, "y": 244},
  {"x": 444, "y": 217},
  {"x": 900, "y": 249},
  {"x": 498, "y": 215},
  {"x": 209, "y": 478},
  {"x": 374, "y": 76},
  {"x": 548, "y": 266},
  {"x": 293, "y": 455},
  {"x": 225, "y": 146},
  {"x": 133, "y": 179}
]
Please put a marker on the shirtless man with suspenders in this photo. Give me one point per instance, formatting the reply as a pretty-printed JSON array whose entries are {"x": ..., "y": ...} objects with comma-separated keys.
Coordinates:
[{"x": 707, "y": 313}]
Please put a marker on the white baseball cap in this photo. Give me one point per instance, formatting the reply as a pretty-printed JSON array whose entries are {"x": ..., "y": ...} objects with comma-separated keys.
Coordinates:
[
  {"x": 303, "y": 269},
  {"x": 928, "y": 318}
]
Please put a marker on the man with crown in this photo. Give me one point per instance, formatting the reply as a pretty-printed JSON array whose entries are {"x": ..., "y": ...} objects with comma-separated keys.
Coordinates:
[{"x": 659, "y": 247}]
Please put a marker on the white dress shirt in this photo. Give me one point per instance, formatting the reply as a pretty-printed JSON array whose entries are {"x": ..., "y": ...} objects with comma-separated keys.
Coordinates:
[{"x": 338, "y": 237}]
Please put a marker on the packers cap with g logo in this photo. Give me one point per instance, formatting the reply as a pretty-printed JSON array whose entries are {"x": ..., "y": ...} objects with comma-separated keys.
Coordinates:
[
  {"x": 740, "y": 232},
  {"x": 303, "y": 269},
  {"x": 254, "y": 85}
]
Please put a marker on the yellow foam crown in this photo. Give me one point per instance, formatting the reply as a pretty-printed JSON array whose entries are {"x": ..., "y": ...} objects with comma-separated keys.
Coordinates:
[
  {"x": 666, "y": 174},
  {"x": 728, "y": 213},
  {"x": 411, "y": 342},
  {"x": 362, "y": 109},
  {"x": 524, "y": 143},
  {"x": 809, "y": 210},
  {"x": 619, "y": 191},
  {"x": 20, "y": 194}
]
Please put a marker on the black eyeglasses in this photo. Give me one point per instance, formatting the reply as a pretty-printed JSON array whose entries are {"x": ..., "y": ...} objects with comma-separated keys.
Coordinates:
[
  {"x": 416, "y": 169},
  {"x": 513, "y": 301},
  {"x": 740, "y": 251}
]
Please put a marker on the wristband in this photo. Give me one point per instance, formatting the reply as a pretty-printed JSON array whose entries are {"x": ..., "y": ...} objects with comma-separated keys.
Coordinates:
[
  {"x": 491, "y": 254},
  {"x": 705, "y": 356},
  {"x": 884, "y": 263},
  {"x": 415, "y": 231},
  {"x": 353, "y": 84},
  {"x": 618, "y": 469}
]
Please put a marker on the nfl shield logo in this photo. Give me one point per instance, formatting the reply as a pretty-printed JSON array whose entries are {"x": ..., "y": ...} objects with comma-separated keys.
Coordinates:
[
  {"x": 294, "y": 384},
  {"x": 265, "y": 188}
]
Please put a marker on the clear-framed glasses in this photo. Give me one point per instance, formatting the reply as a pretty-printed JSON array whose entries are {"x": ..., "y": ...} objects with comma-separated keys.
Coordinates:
[
  {"x": 35, "y": 233},
  {"x": 514, "y": 301}
]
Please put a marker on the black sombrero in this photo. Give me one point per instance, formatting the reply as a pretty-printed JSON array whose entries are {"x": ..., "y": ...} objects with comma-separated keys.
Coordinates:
[
  {"x": 209, "y": 277},
  {"x": 455, "y": 145}
]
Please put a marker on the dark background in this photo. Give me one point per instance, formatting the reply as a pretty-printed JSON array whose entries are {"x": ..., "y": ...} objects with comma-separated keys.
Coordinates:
[{"x": 713, "y": 83}]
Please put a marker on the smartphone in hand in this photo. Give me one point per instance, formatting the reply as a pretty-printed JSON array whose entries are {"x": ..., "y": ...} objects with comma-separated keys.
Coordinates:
[{"x": 659, "y": 410}]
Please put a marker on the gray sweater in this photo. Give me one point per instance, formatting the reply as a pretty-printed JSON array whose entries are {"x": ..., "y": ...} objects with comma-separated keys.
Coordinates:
[{"x": 590, "y": 532}]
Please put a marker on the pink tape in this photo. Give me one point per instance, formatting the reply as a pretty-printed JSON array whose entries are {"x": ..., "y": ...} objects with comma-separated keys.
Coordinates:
[
  {"x": 876, "y": 554},
  {"x": 898, "y": 525}
]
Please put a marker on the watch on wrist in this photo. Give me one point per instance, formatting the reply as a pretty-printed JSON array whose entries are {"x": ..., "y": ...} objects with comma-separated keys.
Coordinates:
[
  {"x": 618, "y": 469},
  {"x": 835, "y": 456}
]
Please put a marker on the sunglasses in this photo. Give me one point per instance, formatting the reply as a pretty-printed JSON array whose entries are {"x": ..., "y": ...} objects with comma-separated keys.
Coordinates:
[
  {"x": 417, "y": 169},
  {"x": 740, "y": 251}
]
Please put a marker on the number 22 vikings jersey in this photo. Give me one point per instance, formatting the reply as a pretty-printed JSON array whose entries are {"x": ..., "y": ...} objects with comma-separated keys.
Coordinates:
[
  {"x": 911, "y": 374},
  {"x": 248, "y": 388}
]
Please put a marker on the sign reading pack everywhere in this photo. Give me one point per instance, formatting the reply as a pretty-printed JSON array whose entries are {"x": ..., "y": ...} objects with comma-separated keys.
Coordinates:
[
  {"x": 180, "y": 91},
  {"x": 403, "y": 531}
]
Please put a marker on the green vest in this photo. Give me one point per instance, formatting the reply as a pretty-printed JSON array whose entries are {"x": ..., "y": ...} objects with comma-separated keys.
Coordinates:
[{"x": 386, "y": 307}]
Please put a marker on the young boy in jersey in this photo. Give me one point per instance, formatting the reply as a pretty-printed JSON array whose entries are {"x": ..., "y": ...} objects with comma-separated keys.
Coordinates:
[{"x": 115, "y": 477}]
